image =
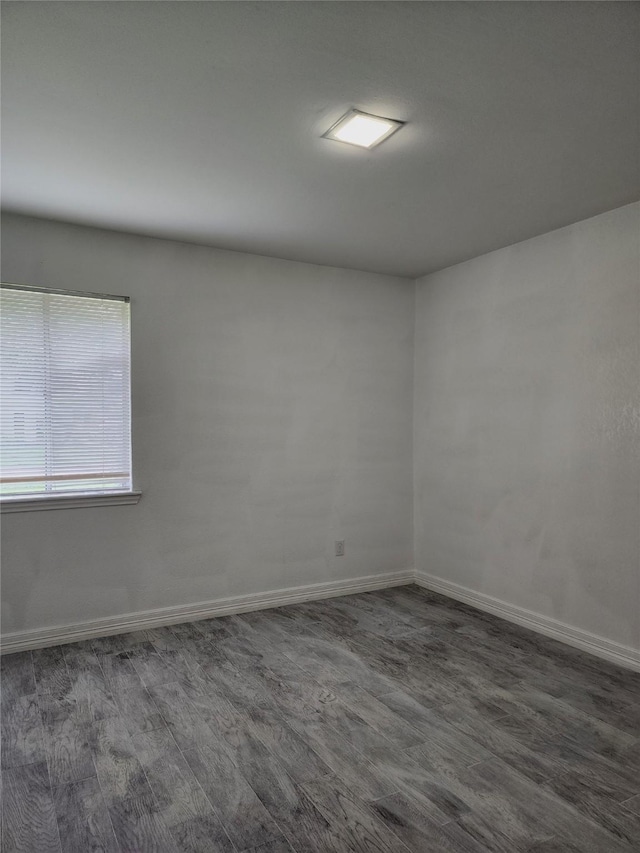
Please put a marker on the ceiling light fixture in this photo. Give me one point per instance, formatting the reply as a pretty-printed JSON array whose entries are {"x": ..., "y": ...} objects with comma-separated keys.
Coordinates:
[{"x": 362, "y": 129}]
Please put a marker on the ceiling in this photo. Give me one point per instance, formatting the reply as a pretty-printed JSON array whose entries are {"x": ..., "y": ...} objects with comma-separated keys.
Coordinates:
[{"x": 202, "y": 122}]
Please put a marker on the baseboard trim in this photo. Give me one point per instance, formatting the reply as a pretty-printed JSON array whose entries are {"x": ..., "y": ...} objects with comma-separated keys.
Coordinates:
[
  {"x": 617, "y": 653},
  {"x": 20, "y": 641},
  {"x": 586, "y": 641}
]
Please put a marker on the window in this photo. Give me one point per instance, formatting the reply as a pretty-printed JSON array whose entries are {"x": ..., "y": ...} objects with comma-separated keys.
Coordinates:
[{"x": 64, "y": 396}]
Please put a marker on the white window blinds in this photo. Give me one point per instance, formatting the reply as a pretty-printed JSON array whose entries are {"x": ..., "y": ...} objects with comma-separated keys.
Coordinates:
[{"x": 64, "y": 393}]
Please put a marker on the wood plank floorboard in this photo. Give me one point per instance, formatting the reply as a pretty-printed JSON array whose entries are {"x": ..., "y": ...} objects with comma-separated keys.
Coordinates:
[
  {"x": 28, "y": 815},
  {"x": 404, "y": 817},
  {"x": 237, "y": 805},
  {"x": 17, "y": 676},
  {"x": 83, "y": 819},
  {"x": 22, "y": 735},
  {"x": 396, "y": 720},
  {"x": 201, "y": 835}
]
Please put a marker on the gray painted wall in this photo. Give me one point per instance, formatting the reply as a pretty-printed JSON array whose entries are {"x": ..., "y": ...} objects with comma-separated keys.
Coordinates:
[
  {"x": 272, "y": 407},
  {"x": 272, "y": 415},
  {"x": 527, "y": 425}
]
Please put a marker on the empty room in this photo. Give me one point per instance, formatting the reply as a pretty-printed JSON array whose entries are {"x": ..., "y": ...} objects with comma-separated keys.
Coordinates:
[{"x": 320, "y": 427}]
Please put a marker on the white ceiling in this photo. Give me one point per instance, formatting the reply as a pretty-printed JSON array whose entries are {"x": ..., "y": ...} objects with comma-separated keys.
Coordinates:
[{"x": 202, "y": 122}]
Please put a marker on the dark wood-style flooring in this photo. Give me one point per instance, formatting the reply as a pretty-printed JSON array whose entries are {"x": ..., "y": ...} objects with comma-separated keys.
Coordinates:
[{"x": 389, "y": 721}]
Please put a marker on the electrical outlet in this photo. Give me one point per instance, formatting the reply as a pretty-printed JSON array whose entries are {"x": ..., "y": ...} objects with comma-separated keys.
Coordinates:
[{"x": 340, "y": 548}]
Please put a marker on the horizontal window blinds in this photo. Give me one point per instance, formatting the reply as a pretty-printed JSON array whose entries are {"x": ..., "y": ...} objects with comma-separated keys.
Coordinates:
[{"x": 64, "y": 393}]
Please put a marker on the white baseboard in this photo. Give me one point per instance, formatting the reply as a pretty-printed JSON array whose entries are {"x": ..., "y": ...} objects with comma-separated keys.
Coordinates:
[
  {"x": 20, "y": 641},
  {"x": 617, "y": 653},
  {"x": 580, "y": 639}
]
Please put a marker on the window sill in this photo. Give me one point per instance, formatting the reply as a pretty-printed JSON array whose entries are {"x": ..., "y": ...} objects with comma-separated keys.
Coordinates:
[{"x": 33, "y": 504}]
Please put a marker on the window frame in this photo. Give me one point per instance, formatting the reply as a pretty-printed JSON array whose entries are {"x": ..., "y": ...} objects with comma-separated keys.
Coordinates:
[{"x": 69, "y": 500}]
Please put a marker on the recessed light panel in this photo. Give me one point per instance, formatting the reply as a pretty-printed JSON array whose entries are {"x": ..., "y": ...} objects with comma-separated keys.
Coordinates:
[{"x": 362, "y": 129}]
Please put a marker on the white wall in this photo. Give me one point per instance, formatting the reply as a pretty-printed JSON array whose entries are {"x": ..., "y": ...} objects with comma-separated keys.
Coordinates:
[
  {"x": 272, "y": 415},
  {"x": 527, "y": 425},
  {"x": 272, "y": 408}
]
